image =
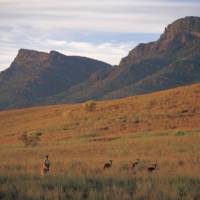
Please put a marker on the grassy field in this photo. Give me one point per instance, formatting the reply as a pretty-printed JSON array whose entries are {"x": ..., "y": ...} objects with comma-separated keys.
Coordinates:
[{"x": 162, "y": 128}]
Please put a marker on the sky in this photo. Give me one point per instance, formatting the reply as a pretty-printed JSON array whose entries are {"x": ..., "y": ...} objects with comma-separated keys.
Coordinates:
[{"x": 102, "y": 29}]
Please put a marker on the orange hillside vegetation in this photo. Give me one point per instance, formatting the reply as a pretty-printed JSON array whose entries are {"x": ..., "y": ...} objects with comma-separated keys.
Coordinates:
[{"x": 175, "y": 109}]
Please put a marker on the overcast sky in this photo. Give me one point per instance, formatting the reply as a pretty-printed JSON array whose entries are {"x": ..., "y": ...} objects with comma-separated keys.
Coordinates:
[{"x": 101, "y": 29}]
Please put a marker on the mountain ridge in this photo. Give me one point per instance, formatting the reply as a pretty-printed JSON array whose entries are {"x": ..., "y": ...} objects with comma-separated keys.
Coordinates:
[
  {"x": 33, "y": 75},
  {"x": 52, "y": 78}
]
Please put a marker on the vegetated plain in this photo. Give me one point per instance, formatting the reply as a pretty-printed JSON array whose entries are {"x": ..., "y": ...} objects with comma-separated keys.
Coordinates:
[{"x": 162, "y": 128}]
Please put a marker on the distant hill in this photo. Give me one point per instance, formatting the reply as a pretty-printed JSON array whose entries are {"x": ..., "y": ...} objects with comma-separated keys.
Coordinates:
[
  {"x": 37, "y": 75},
  {"x": 36, "y": 78}
]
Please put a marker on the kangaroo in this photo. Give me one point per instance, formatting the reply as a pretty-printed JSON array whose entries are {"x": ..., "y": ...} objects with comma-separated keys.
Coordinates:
[
  {"x": 152, "y": 168},
  {"x": 134, "y": 164},
  {"x": 107, "y": 165},
  {"x": 46, "y": 166}
]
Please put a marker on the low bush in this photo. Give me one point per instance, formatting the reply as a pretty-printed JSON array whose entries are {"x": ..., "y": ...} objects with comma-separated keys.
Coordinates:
[
  {"x": 89, "y": 105},
  {"x": 180, "y": 133}
]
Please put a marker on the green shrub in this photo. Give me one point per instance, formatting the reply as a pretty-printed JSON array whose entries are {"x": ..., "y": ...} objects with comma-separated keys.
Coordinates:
[
  {"x": 180, "y": 133},
  {"x": 89, "y": 105}
]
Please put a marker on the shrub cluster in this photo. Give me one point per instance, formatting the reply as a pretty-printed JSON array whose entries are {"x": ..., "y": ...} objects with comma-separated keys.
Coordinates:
[{"x": 180, "y": 133}]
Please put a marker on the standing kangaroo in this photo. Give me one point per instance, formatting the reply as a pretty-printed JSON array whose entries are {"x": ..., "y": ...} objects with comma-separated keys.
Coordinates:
[{"x": 46, "y": 166}]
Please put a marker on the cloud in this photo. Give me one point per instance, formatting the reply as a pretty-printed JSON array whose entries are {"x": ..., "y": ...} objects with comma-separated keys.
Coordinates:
[
  {"x": 101, "y": 29},
  {"x": 109, "y": 52},
  {"x": 52, "y": 43},
  {"x": 121, "y": 16}
]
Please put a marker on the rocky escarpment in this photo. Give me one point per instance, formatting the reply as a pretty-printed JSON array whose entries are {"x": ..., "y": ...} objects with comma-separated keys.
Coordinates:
[
  {"x": 37, "y": 78},
  {"x": 34, "y": 75}
]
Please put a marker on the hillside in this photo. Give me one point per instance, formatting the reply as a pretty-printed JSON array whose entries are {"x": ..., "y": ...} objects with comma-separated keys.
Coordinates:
[
  {"x": 161, "y": 128},
  {"x": 38, "y": 78},
  {"x": 171, "y": 110}
]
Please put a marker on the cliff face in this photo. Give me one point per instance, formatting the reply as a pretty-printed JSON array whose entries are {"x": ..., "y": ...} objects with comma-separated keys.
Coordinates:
[
  {"x": 165, "y": 63},
  {"x": 181, "y": 34},
  {"x": 38, "y": 78}
]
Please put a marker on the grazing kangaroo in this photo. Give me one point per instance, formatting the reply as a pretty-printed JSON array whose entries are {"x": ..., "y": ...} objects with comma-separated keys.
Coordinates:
[
  {"x": 151, "y": 169},
  {"x": 46, "y": 166},
  {"x": 107, "y": 165}
]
